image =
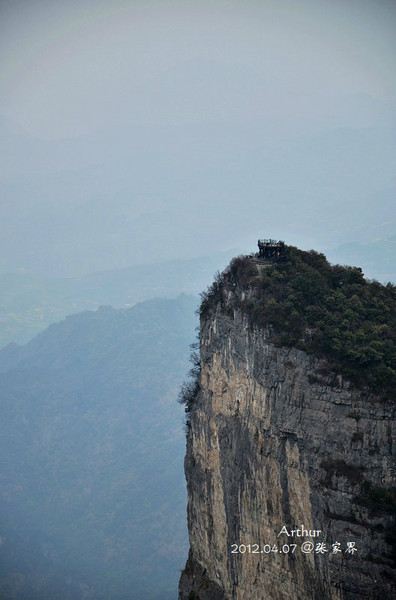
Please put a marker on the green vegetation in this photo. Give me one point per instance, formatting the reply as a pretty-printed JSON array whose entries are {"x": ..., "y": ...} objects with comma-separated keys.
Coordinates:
[
  {"x": 381, "y": 502},
  {"x": 330, "y": 311},
  {"x": 378, "y": 499},
  {"x": 190, "y": 388},
  {"x": 340, "y": 468}
]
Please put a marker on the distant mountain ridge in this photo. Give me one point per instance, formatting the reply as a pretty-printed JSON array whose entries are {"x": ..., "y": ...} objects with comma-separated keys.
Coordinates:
[
  {"x": 30, "y": 303},
  {"x": 92, "y": 499},
  {"x": 376, "y": 257}
]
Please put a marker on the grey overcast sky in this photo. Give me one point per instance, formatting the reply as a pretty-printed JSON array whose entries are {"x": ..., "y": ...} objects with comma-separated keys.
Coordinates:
[{"x": 135, "y": 131}]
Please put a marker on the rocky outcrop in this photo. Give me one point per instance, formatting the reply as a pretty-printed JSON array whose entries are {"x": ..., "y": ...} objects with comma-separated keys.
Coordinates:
[{"x": 277, "y": 440}]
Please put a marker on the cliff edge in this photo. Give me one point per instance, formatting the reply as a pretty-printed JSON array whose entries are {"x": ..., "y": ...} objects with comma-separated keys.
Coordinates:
[{"x": 291, "y": 435}]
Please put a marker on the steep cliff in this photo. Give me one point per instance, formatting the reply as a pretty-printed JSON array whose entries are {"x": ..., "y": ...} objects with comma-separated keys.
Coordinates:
[{"x": 280, "y": 440}]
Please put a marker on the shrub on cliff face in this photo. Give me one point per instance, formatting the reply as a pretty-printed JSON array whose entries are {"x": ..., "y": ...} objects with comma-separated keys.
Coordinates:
[
  {"x": 331, "y": 311},
  {"x": 212, "y": 295},
  {"x": 377, "y": 499},
  {"x": 190, "y": 388}
]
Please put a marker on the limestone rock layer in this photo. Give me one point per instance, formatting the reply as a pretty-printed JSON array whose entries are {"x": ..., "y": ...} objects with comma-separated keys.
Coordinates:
[{"x": 275, "y": 440}]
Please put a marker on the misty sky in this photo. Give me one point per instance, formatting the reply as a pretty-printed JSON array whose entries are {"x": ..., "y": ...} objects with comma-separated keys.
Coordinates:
[{"x": 138, "y": 131}]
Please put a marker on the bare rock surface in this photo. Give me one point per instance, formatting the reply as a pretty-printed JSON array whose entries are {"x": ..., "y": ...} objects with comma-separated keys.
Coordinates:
[{"x": 277, "y": 440}]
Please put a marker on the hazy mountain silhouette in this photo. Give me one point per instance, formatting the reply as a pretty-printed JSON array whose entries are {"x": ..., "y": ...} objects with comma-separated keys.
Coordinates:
[
  {"x": 376, "y": 257},
  {"x": 92, "y": 494},
  {"x": 29, "y": 303}
]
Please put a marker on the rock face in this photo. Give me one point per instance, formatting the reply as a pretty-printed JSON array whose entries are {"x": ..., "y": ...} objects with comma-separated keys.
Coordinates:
[{"x": 276, "y": 440}]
